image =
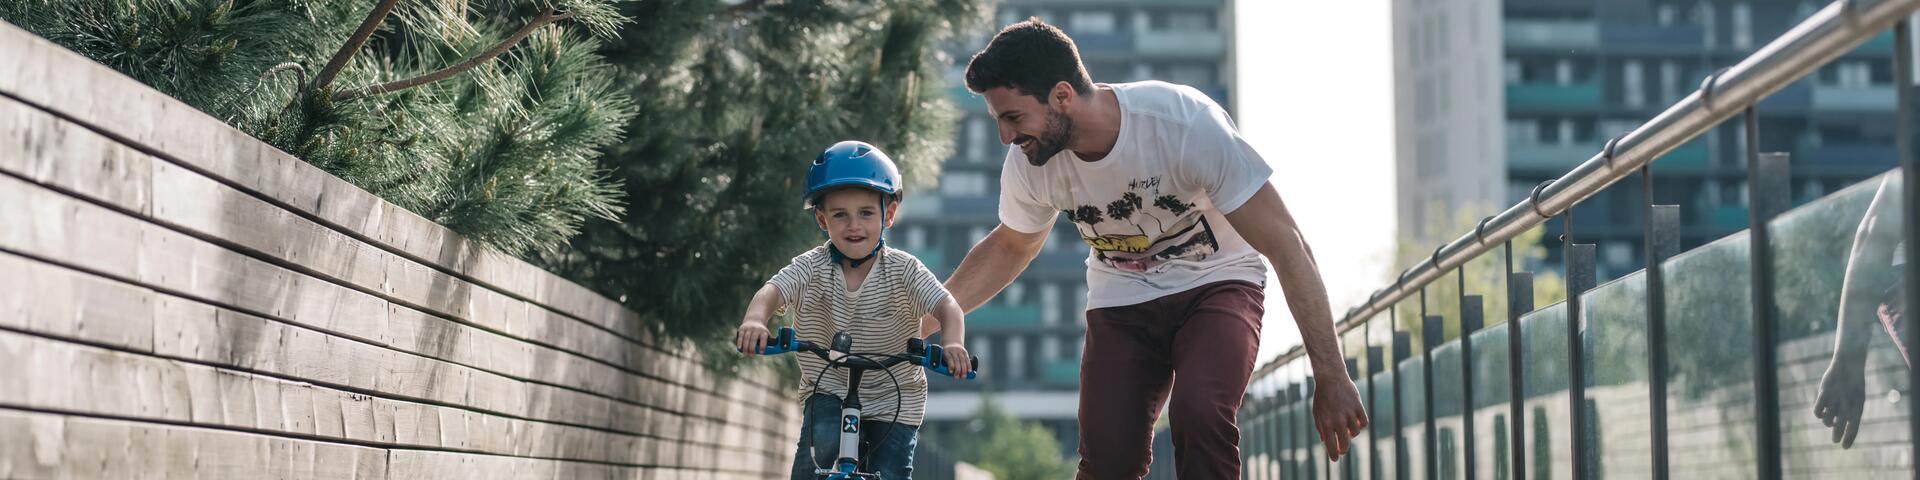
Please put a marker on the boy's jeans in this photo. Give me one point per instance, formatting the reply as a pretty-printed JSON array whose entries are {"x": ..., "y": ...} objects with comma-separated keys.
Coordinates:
[{"x": 891, "y": 457}]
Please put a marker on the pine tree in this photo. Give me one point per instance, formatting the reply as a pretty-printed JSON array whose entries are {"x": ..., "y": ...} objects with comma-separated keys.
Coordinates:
[
  {"x": 734, "y": 101},
  {"x": 484, "y": 116}
]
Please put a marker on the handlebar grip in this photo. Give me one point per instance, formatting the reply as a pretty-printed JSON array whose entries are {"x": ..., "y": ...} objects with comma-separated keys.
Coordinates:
[
  {"x": 936, "y": 361},
  {"x": 782, "y": 343}
]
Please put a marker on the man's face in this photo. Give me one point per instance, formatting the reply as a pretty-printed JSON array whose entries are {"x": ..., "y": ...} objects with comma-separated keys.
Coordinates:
[
  {"x": 1040, "y": 130},
  {"x": 851, "y": 217}
]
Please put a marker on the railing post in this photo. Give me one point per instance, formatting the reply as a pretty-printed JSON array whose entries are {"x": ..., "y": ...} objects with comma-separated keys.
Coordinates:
[
  {"x": 1290, "y": 425},
  {"x": 1662, "y": 241},
  {"x": 1313, "y": 438},
  {"x": 1431, "y": 331},
  {"x": 1519, "y": 301},
  {"x": 1375, "y": 356},
  {"x": 1471, "y": 313},
  {"x": 1580, "y": 279},
  {"x": 1402, "y": 349},
  {"x": 1767, "y": 185},
  {"x": 1903, "y": 75},
  {"x": 1347, "y": 467}
]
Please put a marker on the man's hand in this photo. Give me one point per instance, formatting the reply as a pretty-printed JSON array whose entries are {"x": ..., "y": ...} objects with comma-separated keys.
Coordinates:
[
  {"x": 957, "y": 359},
  {"x": 1338, "y": 415},
  {"x": 1843, "y": 393},
  {"x": 751, "y": 338}
]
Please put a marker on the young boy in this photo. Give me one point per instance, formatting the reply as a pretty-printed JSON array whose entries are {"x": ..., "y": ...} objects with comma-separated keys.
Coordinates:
[{"x": 854, "y": 283}]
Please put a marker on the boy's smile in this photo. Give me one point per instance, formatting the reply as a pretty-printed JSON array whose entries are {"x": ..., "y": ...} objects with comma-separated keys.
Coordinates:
[{"x": 852, "y": 219}]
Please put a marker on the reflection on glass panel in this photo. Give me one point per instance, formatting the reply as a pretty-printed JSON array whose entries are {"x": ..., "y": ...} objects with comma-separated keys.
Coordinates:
[
  {"x": 1709, "y": 353},
  {"x": 1549, "y": 440},
  {"x": 1447, "y": 398},
  {"x": 1618, "y": 427},
  {"x": 1354, "y": 345},
  {"x": 1414, "y": 413},
  {"x": 1383, "y": 426},
  {"x": 1490, "y": 397},
  {"x": 1839, "y": 297}
]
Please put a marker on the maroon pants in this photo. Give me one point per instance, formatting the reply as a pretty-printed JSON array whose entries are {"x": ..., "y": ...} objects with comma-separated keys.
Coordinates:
[{"x": 1200, "y": 345}]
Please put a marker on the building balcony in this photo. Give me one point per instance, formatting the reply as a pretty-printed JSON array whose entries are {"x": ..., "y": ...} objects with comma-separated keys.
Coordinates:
[
  {"x": 1103, "y": 42},
  {"x": 1856, "y": 155},
  {"x": 1179, "y": 43},
  {"x": 1002, "y": 315},
  {"x": 1555, "y": 34},
  {"x": 1829, "y": 98},
  {"x": 1553, "y": 158},
  {"x": 1690, "y": 157},
  {"x": 1673, "y": 37},
  {"x": 1577, "y": 96}
]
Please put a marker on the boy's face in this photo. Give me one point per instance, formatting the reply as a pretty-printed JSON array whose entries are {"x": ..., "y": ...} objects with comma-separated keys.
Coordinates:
[{"x": 851, "y": 217}]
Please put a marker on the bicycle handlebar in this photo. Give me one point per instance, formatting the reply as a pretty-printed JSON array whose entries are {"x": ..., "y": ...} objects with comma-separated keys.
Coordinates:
[{"x": 930, "y": 357}]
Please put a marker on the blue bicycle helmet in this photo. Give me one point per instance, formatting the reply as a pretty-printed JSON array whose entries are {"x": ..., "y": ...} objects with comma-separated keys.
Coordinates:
[{"x": 854, "y": 164}]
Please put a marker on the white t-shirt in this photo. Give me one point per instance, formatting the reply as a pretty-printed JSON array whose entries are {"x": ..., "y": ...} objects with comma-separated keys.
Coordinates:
[
  {"x": 880, "y": 316},
  {"x": 1152, "y": 209}
]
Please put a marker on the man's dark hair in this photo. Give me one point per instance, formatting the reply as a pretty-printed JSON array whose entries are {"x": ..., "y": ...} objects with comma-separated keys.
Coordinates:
[{"x": 1030, "y": 57}]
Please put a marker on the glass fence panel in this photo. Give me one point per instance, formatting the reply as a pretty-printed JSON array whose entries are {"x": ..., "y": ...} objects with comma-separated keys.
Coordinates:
[
  {"x": 1548, "y": 433},
  {"x": 1449, "y": 424},
  {"x": 1490, "y": 397},
  {"x": 1618, "y": 406},
  {"x": 1838, "y": 294},
  {"x": 1710, "y": 352},
  {"x": 1384, "y": 426},
  {"x": 1414, "y": 415}
]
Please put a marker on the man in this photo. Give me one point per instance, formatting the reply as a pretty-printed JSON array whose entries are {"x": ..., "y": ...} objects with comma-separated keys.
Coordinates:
[{"x": 1178, "y": 211}]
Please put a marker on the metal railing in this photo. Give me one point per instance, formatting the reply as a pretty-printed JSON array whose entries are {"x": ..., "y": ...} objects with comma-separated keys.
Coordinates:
[{"x": 1825, "y": 36}]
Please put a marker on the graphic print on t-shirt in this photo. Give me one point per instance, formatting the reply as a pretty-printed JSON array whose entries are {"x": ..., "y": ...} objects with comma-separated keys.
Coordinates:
[{"x": 1132, "y": 235}]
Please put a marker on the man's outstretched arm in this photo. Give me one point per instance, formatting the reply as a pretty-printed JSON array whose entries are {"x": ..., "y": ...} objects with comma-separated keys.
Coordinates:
[
  {"x": 1264, "y": 222},
  {"x": 988, "y": 268}
]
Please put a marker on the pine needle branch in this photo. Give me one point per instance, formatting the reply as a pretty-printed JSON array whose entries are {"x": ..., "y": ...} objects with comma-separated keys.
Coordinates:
[
  {"x": 545, "y": 18},
  {"x": 352, "y": 47}
]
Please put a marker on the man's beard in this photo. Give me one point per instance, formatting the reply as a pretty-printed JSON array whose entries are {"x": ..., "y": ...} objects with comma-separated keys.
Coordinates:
[{"x": 1059, "y": 132}]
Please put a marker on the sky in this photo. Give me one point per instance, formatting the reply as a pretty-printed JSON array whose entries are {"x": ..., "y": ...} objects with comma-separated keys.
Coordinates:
[{"x": 1315, "y": 89}]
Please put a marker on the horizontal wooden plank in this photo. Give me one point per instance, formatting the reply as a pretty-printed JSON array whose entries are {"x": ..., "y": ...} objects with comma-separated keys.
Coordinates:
[
  {"x": 43, "y": 445},
  {"x": 190, "y": 330},
  {"x": 179, "y": 263},
  {"x": 82, "y": 379},
  {"x": 197, "y": 204}
]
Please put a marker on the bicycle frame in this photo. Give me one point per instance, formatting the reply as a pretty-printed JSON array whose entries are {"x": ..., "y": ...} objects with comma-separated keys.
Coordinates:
[{"x": 931, "y": 357}]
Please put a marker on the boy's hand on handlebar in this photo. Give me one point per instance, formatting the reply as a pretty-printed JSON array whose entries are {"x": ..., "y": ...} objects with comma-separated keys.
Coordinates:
[
  {"x": 751, "y": 339},
  {"x": 957, "y": 359}
]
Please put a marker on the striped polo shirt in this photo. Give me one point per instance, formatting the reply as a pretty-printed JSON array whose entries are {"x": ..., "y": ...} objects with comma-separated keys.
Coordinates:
[{"x": 880, "y": 316}]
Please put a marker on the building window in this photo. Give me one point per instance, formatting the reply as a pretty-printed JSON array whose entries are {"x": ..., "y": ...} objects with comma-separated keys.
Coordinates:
[
  {"x": 1669, "y": 81},
  {"x": 963, "y": 184},
  {"x": 1563, "y": 72},
  {"x": 1567, "y": 136},
  {"x": 1190, "y": 21},
  {"x": 978, "y": 143},
  {"x": 1618, "y": 254},
  {"x": 1050, "y": 304},
  {"x": 1092, "y": 22},
  {"x": 1666, "y": 15},
  {"x": 916, "y": 237},
  {"x": 978, "y": 233},
  {"x": 1016, "y": 358},
  {"x": 1016, "y": 294},
  {"x": 1704, "y": 14},
  {"x": 1742, "y": 25},
  {"x": 1142, "y": 71},
  {"x": 1523, "y": 131},
  {"x": 1510, "y": 71},
  {"x": 1633, "y": 86},
  {"x": 1191, "y": 74}
]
